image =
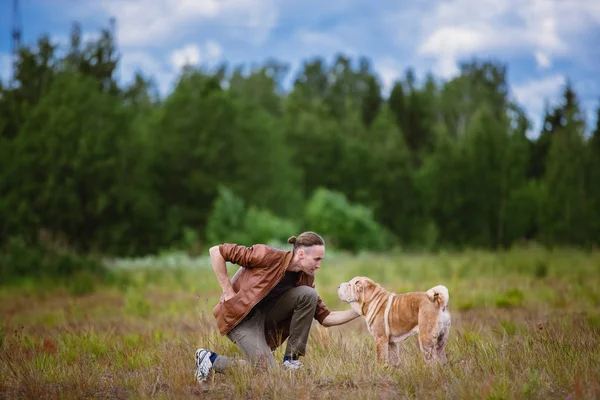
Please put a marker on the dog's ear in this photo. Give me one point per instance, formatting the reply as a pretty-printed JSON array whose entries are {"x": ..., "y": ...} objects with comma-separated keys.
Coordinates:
[{"x": 359, "y": 286}]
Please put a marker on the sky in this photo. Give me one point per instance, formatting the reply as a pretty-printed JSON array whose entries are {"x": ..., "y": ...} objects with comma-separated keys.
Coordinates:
[{"x": 542, "y": 42}]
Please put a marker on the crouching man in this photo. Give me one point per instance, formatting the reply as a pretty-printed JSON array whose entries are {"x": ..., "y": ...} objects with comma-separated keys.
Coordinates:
[{"x": 270, "y": 299}]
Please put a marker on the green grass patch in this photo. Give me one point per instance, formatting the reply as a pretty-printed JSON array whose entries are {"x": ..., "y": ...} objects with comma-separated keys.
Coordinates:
[{"x": 511, "y": 298}]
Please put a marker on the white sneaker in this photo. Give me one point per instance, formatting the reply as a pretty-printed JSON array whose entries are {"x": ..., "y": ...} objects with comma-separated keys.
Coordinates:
[
  {"x": 203, "y": 364},
  {"x": 292, "y": 364}
]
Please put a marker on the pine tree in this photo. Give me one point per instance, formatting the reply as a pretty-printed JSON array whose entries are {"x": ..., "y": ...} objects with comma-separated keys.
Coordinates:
[
  {"x": 593, "y": 181},
  {"x": 566, "y": 214},
  {"x": 398, "y": 105}
]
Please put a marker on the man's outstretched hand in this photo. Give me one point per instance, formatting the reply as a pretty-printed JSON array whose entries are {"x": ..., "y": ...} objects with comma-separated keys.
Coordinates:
[{"x": 340, "y": 317}]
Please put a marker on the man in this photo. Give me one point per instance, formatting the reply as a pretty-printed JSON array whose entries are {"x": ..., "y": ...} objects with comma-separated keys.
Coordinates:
[{"x": 270, "y": 299}]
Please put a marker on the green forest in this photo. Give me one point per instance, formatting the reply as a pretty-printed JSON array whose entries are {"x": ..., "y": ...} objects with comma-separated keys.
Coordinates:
[{"x": 92, "y": 167}]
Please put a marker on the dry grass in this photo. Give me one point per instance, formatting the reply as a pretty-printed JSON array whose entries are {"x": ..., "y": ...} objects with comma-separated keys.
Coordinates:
[{"x": 525, "y": 325}]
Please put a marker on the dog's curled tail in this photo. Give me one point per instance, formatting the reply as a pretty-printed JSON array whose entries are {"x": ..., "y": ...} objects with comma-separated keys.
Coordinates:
[{"x": 439, "y": 295}]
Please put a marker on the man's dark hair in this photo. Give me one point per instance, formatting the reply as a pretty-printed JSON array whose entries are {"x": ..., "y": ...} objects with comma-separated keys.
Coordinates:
[{"x": 306, "y": 239}]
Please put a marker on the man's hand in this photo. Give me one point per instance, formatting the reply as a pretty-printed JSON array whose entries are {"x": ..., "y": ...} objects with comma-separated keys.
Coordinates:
[
  {"x": 227, "y": 294},
  {"x": 340, "y": 317},
  {"x": 220, "y": 268}
]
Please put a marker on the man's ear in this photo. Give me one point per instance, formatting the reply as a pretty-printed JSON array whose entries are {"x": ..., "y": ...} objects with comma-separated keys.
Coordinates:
[{"x": 300, "y": 253}]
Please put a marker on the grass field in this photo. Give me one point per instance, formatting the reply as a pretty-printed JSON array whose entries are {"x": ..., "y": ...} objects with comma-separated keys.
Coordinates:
[{"x": 525, "y": 324}]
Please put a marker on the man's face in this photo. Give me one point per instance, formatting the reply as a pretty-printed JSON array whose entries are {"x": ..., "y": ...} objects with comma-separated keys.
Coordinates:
[{"x": 310, "y": 258}]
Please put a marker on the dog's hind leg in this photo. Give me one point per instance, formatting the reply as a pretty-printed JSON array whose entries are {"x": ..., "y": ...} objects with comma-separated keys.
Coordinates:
[
  {"x": 440, "y": 351},
  {"x": 427, "y": 345},
  {"x": 394, "y": 353},
  {"x": 428, "y": 332},
  {"x": 440, "y": 345}
]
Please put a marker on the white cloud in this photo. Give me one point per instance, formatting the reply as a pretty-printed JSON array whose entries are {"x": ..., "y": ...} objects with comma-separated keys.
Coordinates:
[
  {"x": 63, "y": 41},
  {"x": 187, "y": 55},
  {"x": 389, "y": 70},
  {"x": 165, "y": 73},
  {"x": 541, "y": 29},
  {"x": 308, "y": 43},
  {"x": 213, "y": 50},
  {"x": 140, "y": 61},
  {"x": 534, "y": 94},
  {"x": 193, "y": 54},
  {"x": 447, "y": 44},
  {"x": 155, "y": 22},
  {"x": 542, "y": 59},
  {"x": 322, "y": 40},
  {"x": 5, "y": 68}
]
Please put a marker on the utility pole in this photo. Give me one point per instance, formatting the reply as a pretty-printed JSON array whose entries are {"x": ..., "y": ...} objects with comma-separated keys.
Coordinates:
[{"x": 16, "y": 33}]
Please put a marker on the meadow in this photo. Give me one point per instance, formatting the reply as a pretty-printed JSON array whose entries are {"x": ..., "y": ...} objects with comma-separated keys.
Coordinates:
[{"x": 525, "y": 324}]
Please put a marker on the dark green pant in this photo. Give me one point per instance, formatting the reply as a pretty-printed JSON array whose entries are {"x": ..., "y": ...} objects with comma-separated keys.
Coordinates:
[{"x": 299, "y": 303}]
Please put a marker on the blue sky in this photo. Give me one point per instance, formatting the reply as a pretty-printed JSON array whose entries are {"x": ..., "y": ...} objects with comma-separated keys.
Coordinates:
[{"x": 543, "y": 42}]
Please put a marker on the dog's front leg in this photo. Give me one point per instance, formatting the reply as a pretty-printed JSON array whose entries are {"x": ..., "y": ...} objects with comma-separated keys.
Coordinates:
[{"x": 382, "y": 350}]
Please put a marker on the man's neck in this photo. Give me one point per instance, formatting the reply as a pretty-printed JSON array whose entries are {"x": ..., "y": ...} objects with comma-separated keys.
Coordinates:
[{"x": 293, "y": 267}]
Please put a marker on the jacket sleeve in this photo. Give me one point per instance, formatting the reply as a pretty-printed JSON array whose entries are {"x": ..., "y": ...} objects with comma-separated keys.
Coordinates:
[
  {"x": 247, "y": 257},
  {"x": 322, "y": 311}
]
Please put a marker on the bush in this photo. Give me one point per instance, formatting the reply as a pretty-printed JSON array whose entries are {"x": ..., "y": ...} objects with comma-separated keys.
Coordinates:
[
  {"x": 510, "y": 299},
  {"x": 348, "y": 226},
  {"x": 522, "y": 212},
  {"x": 19, "y": 259},
  {"x": 541, "y": 269},
  {"x": 229, "y": 221},
  {"x": 226, "y": 218},
  {"x": 262, "y": 226}
]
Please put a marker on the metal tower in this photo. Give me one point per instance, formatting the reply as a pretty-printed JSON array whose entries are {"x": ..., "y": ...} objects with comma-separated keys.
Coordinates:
[{"x": 16, "y": 32}]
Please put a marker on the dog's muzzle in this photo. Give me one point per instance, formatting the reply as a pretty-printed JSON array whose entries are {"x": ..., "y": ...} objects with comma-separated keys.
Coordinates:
[{"x": 345, "y": 293}]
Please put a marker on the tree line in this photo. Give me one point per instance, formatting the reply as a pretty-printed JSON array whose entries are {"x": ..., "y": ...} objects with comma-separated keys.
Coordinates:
[{"x": 230, "y": 155}]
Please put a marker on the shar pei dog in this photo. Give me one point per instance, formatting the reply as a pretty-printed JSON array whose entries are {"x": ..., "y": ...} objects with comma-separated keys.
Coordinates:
[{"x": 392, "y": 318}]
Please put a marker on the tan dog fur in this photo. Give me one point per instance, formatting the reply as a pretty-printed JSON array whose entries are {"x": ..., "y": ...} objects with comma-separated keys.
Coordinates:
[{"x": 392, "y": 318}]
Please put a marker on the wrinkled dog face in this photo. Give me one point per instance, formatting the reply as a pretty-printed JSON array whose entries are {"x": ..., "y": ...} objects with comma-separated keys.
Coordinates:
[
  {"x": 345, "y": 293},
  {"x": 351, "y": 292}
]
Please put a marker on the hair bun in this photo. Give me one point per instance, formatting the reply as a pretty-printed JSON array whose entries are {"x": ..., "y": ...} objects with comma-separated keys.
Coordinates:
[{"x": 292, "y": 240}]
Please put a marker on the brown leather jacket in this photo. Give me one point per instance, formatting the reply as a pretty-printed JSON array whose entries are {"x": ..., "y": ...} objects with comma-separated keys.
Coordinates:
[{"x": 262, "y": 267}]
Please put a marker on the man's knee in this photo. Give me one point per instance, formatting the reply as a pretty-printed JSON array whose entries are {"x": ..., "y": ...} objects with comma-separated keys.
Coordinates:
[{"x": 306, "y": 295}]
